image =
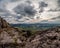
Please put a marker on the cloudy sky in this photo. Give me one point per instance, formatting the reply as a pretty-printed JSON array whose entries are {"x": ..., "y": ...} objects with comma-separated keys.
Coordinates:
[{"x": 30, "y": 11}]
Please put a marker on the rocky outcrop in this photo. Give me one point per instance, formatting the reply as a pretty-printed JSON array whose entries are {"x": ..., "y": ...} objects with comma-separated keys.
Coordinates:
[
  {"x": 49, "y": 38},
  {"x": 3, "y": 23},
  {"x": 9, "y": 35}
]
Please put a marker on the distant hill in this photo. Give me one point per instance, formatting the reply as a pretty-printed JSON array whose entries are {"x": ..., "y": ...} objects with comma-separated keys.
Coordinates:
[{"x": 36, "y": 26}]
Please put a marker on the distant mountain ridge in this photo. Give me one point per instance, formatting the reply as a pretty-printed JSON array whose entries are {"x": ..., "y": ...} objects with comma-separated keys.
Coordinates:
[{"x": 35, "y": 26}]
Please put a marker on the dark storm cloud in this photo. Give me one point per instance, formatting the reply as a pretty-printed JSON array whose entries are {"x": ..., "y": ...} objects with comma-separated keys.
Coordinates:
[
  {"x": 14, "y": 0},
  {"x": 29, "y": 10},
  {"x": 42, "y": 5},
  {"x": 9, "y": 0},
  {"x": 55, "y": 18},
  {"x": 53, "y": 10},
  {"x": 59, "y": 2},
  {"x": 1, "y": 10},
  {"x": 0, "y": 0},
  {"x": 44, "y": 21},
  {"x": 25, "y": 9},
  {"x": 18, "y": 17},
  {"x": 41, "y": 10},
  {"x": 28, "y": 2}
]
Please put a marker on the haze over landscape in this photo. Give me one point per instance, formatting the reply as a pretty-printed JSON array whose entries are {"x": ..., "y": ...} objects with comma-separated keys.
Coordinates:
[{"x": 30, "y": 11}]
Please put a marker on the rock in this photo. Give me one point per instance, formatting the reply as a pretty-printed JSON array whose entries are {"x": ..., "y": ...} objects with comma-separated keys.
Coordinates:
[
  {"x": 49, "y": 38},
  {"x": 3, "y": 23},
  {"x": 9, "y": 35}
]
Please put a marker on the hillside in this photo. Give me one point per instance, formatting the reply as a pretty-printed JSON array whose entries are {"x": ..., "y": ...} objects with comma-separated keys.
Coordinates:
[
  {"x": 45, "y": 39},
  {"x": 11, "y": 37}
]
